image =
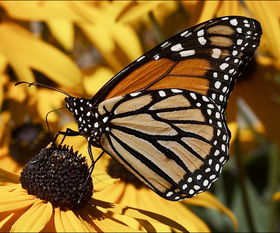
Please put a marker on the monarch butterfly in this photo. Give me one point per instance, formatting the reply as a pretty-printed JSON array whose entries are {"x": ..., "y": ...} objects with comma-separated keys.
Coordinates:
[{"x": 162, "y": 117}]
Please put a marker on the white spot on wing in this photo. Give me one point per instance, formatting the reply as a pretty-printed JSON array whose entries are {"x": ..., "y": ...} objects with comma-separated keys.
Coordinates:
[
  {"x": 216, "y": 53},
  {"x": 224, "y": 66},
  {"x": 187, "y": 53},
  {"x": 233, "y": 22},
  {"x": 184, "y": 33},
  {"x": 239, "y": 41},
  {"x": 217, "y": 84},
  {"x": 140, "y": 58},
  {"x": 193, "y": 96},
  {"x": 165, "y": 44},
  {"x": 202, "y": 40},
  {"x": 177, "y": 47},
  {"x": 169, "y": 194},
  {"x": 134, "y": 94},
  {"x": 176, "y": 91},
  {"x": 200, "y": 33},
  {"x": 162, "y": 93}
]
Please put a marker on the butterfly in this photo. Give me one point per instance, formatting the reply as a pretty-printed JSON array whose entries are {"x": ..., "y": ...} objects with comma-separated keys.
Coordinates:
[{"x": 162, "y": 117}]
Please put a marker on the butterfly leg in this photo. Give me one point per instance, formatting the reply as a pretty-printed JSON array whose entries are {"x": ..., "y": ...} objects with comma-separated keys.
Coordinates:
[
  {"x": 91, "y": 156},
  {"x": 91, "y": 166},
  {"x": 68, "y": 132}
]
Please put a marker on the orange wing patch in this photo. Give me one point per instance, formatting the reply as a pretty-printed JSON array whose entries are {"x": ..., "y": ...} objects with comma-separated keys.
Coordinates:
[
  {"x": 142, "y": 77},
  {"x": 188, "y": 74}
]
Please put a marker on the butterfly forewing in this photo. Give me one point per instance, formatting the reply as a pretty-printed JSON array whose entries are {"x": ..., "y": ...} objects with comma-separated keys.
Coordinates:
[
  {"x": 205, "y": 58},
  {"x": 174, "y": 140}
]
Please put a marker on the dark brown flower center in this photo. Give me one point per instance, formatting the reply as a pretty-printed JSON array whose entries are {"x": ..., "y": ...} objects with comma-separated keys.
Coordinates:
[
  {"x": 60, "y": 176},
  {"x": 27, "y": 141},
  {"x": 116, "y": 170}
]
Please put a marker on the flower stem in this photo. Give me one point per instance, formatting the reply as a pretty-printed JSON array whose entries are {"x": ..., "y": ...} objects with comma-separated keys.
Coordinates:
[{"x": 242, "y": 178}]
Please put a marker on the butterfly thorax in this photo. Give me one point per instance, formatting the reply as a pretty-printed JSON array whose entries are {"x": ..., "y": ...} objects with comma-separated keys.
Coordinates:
[{"x": 89, "y": 122}]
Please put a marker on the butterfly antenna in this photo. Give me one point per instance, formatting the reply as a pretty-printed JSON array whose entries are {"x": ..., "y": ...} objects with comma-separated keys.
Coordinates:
[
  {"x": 47, "y": 122},
  {"x": 43, "y": 85}
]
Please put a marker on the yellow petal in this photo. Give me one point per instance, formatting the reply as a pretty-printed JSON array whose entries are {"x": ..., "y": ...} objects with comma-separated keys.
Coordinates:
[
  {"x": 102, "y": 38},
  {"x": 182, "y": 215},
  {"x": 24, "y": 52},
  {"x": 134, "y": 10},
  {"x": 94, "y": 82},
  {"x": 208, "y": 200},
  {"x": 59, "y": 227},
  {"x": 209, "y": 10},
  {"x": 264, "y": 12},
  {"x": 102, "y": 222},
  {"x": 233, "y": 127},
  {"x": 35, "y": 218},
  {"x": 3, "y": 63},
  {"x": 102, "y": 180},
  {"x": 67, "y": 221},
  {"x": 71, "y": 223},
  {"x": 230, "y": 8},
  {"x": 63, "y": 31},
  {"x": 88, "y": 11},
  {"x": 137, "y": 213},
  {"x": 6, "y": 176},
  {"x": 128, "y": 41},
  {"x": 276, "y": 196},
  {"x": 38, "y": 10},
  {"x": 111, "y": 193},
  {"x": 4, "y": 222},
  {"x": 109, "y": 225},
  {"x": 1, "y": 92},
  {"x": 16, "y": 203},
  {"x": 48, "y": 100},
  {"x": 100, "y": 35}
]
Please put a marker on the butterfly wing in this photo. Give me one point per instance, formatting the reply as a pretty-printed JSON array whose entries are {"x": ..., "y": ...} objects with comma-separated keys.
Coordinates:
[
  {"x": 174, "y": 140},
  {"x": 206, "y": 59}
]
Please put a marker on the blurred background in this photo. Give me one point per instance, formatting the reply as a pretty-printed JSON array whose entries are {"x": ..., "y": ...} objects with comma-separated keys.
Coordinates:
[{"x": 78, "y": 46}]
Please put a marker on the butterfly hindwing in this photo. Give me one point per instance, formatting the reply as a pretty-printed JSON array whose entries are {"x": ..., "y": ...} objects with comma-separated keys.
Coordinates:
[
  {"x": 174, "y": 140},
  {"x": 206, "y": 59}
]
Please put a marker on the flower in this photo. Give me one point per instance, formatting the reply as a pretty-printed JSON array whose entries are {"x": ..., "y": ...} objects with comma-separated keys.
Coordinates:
[
  {"x": 264, "y": 11},
  {"x": 55, "y": 195},
  {"x": 129, "y": 190},
  {"x": 34, "y": 53},
  {"x": 276, "y": 196}
]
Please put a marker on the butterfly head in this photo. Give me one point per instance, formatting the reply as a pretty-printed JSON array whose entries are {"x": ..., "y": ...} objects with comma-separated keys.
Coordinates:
[{"x": 86, "y": 117}]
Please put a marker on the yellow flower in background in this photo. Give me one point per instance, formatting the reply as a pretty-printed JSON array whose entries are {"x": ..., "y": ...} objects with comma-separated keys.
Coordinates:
[
  {"x": 101, "y": 37},
  {"x": 117, "y": 42},
  {"x": 24, "y": 52},
  {"x": 276, "y": 196},
  {"x": 23, "y": 124}
]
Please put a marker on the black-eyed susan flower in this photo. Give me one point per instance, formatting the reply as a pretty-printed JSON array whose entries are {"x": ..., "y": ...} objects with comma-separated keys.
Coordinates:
[
  {"x": 22, "y": 135},
  {"x": 55, "y": 194},
  {"x": 128, "y": 189}
]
